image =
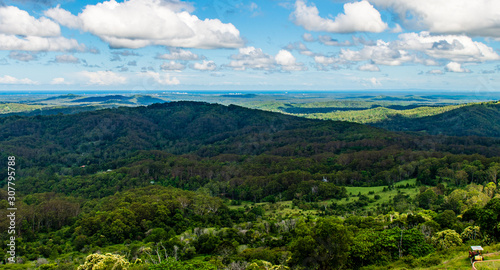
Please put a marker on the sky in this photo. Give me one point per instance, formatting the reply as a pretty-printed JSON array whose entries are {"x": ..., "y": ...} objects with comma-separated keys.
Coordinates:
[{"x": 278, "y": 45}]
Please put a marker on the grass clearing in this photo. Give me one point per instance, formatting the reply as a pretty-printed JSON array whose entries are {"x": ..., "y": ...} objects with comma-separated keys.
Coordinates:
[
  {"x": 284, "y": 208},
  {"x": 385, "y": 196}
]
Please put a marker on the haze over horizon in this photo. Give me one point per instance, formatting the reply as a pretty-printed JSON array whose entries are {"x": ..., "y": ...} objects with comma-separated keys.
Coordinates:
[{"x": 281, "y": 45}]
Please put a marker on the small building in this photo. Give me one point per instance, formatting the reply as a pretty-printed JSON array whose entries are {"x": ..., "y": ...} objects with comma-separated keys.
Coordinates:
[{"x": 475, "y": 253}]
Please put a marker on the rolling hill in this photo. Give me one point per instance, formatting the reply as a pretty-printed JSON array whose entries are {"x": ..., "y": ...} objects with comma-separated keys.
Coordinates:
[{"x": 482, "y": 119}]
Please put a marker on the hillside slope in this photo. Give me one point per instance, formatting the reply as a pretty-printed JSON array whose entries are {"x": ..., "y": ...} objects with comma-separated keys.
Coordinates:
[
  {"x": 177, "y": 127},
  {"x": 474, "y": 120}
]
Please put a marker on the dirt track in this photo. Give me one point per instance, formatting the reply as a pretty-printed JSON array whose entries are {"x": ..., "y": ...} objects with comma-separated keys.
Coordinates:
[{"x": 474, "y": 264}]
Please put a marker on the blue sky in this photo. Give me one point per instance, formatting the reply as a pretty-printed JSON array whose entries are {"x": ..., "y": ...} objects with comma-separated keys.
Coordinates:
[{"x": 449, "y": 45}]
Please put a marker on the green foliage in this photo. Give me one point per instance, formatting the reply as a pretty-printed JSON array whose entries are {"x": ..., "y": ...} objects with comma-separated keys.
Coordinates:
[
  {"x": 323, "y": 244},
  {"x": 446, "y": 239},
  {"x": 172, "y": 264},
  {"x": 471, "y": 233},
  {"x": 105, "y": 262}
]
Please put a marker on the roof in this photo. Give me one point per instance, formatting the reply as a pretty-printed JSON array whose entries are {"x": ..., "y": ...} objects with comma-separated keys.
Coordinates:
[{"x": 476, "y": 248}]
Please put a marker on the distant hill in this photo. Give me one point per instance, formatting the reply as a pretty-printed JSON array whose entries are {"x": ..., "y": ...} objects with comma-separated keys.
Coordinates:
[
  {"x": 68, "y": 96},
  {"x": 56, "y": 110},
  {"x": 481, "y": 119},
  {"x": 102, "y": 99}
]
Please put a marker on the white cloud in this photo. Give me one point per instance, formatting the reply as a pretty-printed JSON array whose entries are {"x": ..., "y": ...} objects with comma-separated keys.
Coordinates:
[
  {"x": 173, "y": 66},
  {"x": 325, "y": 60},
  {"x": 300, "y": 47},
  {"x": 34, "y": 43},
  {"x": 308, "y": 37},
  {"x": 57, "y": 81},
  {"x": 382, "y": 53},
  {"x": 205, "y": 66},
  {"x": 435, "y": 72},
  {"x": 397, "y": 29},
  {"x": 23, "y": 32},
  {"x": 125, "y": 53},
  {"x": 251, "y": 58},
  {"x": 478, "y": 17},
  {"x": 369, "y": 67},
  {"x": 23, "y": 56},
  {"x": 163, "y": 79},
  {"x": 456, "y": 67},
  {"x": 287, "y": 61},
  {"x": 6, "y": 79},
  {"x": 179, "y": 54},
  {"x": 103, "y": 77},
  {"x": 168, "y": 23},
  {"x": 67, "y": 58},
  {"x": 255, "y": 58},
  {"x": 422, "y": 48},
  {"x": 64, "y": 17},
  {"x": 375, "y": 82},
  {"x": 329, "y": 41},
  {"x": 14, "y": 21},
  {"x": 456, "y": 48},
  {"x": 357, "y": 17}
]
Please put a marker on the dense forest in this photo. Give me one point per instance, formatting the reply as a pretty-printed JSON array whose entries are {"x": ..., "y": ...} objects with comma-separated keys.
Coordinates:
[{"x": 191, "y": 185}]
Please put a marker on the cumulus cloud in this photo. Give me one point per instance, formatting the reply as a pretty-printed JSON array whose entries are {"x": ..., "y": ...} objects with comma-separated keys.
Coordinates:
[
  {"x": 205, "y": 66},
  {"x": 255, "y": 58},
  {"x": 308, "y": 37},
  {"x": 23, "y": 56},
  {"x": 287, "y": 61},
  {"x": 382, "y": 53},
  {"x": 458, "y": 48},
  {"x": 23, "y": 32},
  {"x": 456, "y": 67},
  {"x": 478, "y": 17},
  {"x": 369, "y": 67},
  {"x": 422, "y": 48},
  {"x": 67, "y": 58},
  {"x": 33, "y": 43},
  {"x": 179, "y": 54},
  {"x": 397, "y": 29},
  {"x": 14, "y": 21},
  {"x": 251, "y": 58},
  {"x": 59, "y": 80},
  {"x": 6, "y": 79},
  {"x": 168, "y": 23},
  {"x": 357, "y": 17},
  {"x": 103, "y": 77},
  {"x": 173, "y": 66},
  {"x": 163, "y": 79},
  {"x": 300, "y": 47},
  {"x": 323, "y": 62}
]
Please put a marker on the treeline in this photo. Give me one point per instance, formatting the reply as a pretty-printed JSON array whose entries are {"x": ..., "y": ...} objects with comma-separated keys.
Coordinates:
[{"x": 263, "y": 177}]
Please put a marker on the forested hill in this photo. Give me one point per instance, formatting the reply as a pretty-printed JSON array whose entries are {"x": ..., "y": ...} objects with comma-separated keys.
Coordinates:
[
  {"x": 200, "y": 128},
  {"x": 177, "y": 127},
  {"x": 481, "y": 119}
]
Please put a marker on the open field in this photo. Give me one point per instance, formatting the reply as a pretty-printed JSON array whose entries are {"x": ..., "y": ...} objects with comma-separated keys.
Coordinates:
[
  {"x": 284, "y": 209},
  {"x": 385, "y": 196}
]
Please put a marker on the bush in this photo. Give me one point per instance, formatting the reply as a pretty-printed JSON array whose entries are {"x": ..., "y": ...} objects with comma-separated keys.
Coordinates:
[{"x": 104, "y": 262}]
